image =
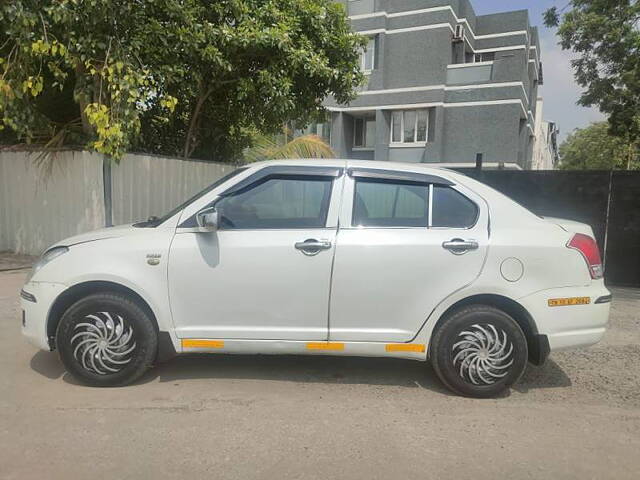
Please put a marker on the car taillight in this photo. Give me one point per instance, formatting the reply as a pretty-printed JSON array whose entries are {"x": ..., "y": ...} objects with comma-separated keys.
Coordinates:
[{"x": 588, "y": 247}]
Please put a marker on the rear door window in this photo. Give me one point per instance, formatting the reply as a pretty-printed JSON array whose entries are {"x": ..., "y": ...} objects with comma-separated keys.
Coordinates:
[{"x": 386, "y": 203}]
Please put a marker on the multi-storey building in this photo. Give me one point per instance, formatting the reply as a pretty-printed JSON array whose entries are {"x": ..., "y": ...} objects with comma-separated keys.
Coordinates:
[
  {"x": 545, "y": 148},
  {"x": 443, "y": 85}
]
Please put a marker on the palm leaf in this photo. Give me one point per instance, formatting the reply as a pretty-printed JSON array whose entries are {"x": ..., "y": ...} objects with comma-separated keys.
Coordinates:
[{"x": 306, "y": 146}]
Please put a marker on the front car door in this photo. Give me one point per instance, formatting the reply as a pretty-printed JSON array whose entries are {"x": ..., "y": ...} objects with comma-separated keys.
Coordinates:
[
  {"x": 406, "y": 242},
  {"x": 265, "y": 273}
]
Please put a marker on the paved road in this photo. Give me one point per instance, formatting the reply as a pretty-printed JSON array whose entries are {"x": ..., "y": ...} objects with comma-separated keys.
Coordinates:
[{"x": 313, "y": 417}]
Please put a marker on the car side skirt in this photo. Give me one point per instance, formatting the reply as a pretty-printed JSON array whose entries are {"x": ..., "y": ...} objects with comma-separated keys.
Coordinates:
[{"x": 411, "y": 351}]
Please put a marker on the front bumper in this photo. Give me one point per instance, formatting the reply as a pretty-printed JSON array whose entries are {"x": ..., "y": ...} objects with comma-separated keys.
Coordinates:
[
  {"x": 570, "y": 326},
  {"x": 35, "y": 313}
]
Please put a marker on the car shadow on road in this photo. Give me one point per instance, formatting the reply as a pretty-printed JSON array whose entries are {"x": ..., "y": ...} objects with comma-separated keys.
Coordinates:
[
  {"x": 549, "y": 375},
  {"x": 47, "y": 364},
  {"x": 301, "y": 369},
  {"x": 306, "y": 369}
]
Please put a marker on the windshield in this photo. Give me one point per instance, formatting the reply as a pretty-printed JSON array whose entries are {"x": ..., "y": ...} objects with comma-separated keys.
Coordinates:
[{"x": 155, "y": 221}]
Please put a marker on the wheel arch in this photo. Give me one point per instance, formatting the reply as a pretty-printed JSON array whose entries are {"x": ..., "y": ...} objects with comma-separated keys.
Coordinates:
[
  {"x": 537, "y": 344},
  {"x": 81, "y": 290}
]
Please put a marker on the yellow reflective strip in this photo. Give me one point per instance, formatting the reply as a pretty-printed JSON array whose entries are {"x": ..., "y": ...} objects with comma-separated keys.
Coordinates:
[
  {"x": 405, "y": 347},
  {"x": 564, "y": 302},
  {"x": 193, "y": 343},
  {"x": 325, "y": 346}
]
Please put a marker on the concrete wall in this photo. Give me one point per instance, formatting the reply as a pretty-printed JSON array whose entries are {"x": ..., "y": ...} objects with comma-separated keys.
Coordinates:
[{"x": 44, "y": 202}]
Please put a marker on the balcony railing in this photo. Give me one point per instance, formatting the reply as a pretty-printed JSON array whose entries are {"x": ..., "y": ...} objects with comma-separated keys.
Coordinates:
[{"x": 465, "y": 73}]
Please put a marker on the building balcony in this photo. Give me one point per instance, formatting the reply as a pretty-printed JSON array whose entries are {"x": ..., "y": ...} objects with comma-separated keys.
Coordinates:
[{"x": 469, "y": 73}]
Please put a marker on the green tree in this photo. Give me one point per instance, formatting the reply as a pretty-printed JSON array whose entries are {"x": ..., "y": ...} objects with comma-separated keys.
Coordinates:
[
  {"x": 594, "y": 148},
  {"x": 177, "y": 77},
  {"x": 605, "y": 36}
]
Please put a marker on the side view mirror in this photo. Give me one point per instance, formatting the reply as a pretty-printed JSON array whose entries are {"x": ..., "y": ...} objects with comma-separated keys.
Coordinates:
[{"x": 207, "y": 219}]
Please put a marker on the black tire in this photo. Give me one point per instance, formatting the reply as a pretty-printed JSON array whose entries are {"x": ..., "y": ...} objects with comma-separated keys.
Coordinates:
[
  {"x": 468, "y": 363},
  {"x": 100, "y": 360}
]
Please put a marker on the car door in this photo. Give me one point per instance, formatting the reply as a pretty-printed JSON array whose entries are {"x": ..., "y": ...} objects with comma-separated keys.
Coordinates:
[
  {"x": 265, "y": 272},
  {"x": 406, "y": 242}
]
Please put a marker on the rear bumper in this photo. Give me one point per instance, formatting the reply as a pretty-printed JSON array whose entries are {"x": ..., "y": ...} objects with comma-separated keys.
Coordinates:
[
  {"x": 36, "y": 301},
  {"x": 570, "y": 326}
]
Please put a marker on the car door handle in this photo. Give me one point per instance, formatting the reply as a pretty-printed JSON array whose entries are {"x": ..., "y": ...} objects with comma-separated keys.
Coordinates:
[
  {"x": 458, "y": 246},
  {"x": 312, "y": 246}
]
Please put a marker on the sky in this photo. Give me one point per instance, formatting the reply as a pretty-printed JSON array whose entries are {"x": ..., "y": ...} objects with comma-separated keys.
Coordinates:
[{"x": 560, "y": 92}]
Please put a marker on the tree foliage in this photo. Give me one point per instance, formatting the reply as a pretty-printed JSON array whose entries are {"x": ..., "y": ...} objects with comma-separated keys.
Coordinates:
[
  {"x": 273, "y": 147},
  {"x": 176, "y": 77},
  {"x": 594, "y": 148},
  {"x": 606, "y": 38}
]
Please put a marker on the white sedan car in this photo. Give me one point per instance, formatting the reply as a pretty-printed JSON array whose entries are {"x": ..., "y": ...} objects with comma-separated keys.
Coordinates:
[{"x": 328, "y": 257}]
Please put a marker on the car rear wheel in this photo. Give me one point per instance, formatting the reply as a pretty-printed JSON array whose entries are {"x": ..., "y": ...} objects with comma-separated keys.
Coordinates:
[
  {"x": 106, "y": 339},
  {"x": 479, "y": 351}
]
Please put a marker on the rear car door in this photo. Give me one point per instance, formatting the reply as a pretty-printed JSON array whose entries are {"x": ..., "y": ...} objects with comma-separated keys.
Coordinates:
[{"x": 406, "y": 242}]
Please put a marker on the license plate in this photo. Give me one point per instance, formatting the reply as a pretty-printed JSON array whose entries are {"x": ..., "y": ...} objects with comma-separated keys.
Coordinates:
[{"x": 565, "y": 302}]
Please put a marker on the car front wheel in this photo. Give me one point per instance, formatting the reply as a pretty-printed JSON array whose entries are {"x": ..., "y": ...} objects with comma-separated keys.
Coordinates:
[
  {"x": 479, "y": 351},
  {"x": 106, "y": 339}
]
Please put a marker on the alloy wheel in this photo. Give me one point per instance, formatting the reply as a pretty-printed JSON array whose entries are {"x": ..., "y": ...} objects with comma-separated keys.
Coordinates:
[
  {"x": 483, "y": 354},
  {"x": 103, "y": 343}
]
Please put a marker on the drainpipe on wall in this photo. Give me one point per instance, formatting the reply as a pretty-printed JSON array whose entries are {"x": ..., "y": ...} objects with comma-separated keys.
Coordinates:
[{"x": 106, "y": 181}]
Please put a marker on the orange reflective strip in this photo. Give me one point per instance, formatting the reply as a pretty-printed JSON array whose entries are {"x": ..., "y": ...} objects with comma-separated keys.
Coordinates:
[
  {"x": 405, "y": 347},
  {"x": 325, "y": 346},
  {"x": 193, "y": 343}
]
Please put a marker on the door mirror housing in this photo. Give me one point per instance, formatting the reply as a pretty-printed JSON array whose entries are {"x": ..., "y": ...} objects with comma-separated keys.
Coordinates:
[{"x": 207, "y": 219}]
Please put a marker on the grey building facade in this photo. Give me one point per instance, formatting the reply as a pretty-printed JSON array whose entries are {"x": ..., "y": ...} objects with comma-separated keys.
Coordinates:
[{"x": 443, "y": 85}]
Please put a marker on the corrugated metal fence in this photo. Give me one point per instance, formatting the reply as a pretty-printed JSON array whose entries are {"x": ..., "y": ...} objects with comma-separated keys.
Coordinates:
[{"x": 44, "y": 202}]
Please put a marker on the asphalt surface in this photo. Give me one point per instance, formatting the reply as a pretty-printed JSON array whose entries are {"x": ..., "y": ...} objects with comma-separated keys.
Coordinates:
[{"x": 288, "y": 417}]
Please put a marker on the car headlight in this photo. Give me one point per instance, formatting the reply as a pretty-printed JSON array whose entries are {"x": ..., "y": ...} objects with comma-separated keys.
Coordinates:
[{"x": 46, "y": 258}]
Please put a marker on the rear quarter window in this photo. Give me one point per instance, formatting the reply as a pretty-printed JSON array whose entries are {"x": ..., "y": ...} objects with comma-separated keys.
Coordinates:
[{"x": 451, "y": 209}]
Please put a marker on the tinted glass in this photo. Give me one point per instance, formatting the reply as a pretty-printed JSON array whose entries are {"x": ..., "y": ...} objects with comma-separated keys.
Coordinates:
[
  {"x": 452, "y": 209},
  {"x": 390, "y": 204},
  {"x": 287, "y": 202}
]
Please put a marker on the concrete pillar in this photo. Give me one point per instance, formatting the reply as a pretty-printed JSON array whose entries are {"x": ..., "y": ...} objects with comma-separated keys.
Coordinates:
[
  {"x": 383, "y": 135},
  {"x": 339, "y": 131},
  {"x": 435, "y": 152}
]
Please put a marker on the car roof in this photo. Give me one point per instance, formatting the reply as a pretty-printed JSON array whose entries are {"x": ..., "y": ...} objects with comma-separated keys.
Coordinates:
[{"x": 345, "y": 163}]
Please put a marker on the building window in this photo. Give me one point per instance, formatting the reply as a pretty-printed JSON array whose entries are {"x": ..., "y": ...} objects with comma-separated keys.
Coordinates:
[
  {"x": 368, "y": 56},
  {"x": 483, "y": 57},
  {"x": 364, "y": 132},
  {"x": 409, "y": 126}
]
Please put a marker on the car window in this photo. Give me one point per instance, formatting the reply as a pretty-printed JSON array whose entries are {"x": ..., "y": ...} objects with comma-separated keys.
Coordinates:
[
  {"x": 452, "y": 209},
  {"x": 280, "y": 202},
  {"x": 390, "y": 204}
]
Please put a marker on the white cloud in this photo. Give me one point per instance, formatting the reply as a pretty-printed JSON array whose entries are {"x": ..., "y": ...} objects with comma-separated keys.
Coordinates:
[{"x": 560, "y": 91}]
